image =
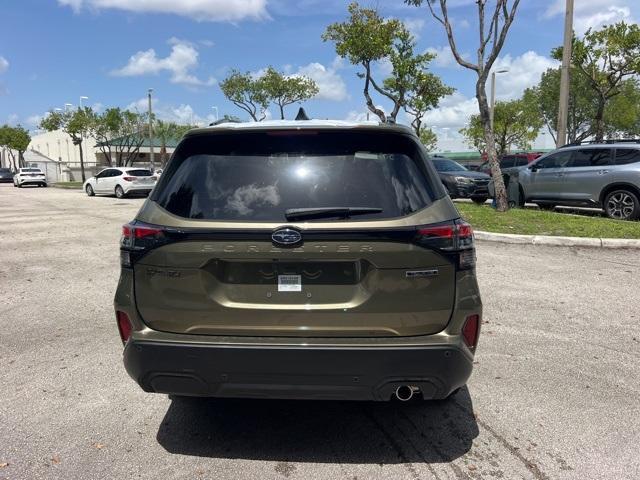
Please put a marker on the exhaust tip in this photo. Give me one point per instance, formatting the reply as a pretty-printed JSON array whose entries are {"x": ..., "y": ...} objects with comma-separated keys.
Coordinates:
[{"x": 404, "y": 393}]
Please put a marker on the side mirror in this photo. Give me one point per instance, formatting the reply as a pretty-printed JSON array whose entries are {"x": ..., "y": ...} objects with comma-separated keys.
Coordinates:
[{"x": 534, "y": 168}]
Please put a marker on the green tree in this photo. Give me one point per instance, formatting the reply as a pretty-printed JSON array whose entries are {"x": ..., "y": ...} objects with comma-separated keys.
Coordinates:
[
  {"x": 75, "y": 123},
  {"x": 494, "y": 22},
  {"x": 120, "y": 134},
  {"x": 366, "y": 38},
  {"x": 165, "y": 132},
  {"x": 622, "y": 115},
  {"x": 428, "y": 138},
  {"x": 516, "y": 122},
  {"x": 15, "y": 139},
  {"x": 247, "y": 93},
  {"x": 284, "y": 90},
  {"x": 606, "y": 58},
  {"x": 582, "y": 107},
  {"x": 426, "y": 92}
]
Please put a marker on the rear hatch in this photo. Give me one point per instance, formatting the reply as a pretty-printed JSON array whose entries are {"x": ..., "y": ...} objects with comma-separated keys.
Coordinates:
[{"x": 226, "y": 247}]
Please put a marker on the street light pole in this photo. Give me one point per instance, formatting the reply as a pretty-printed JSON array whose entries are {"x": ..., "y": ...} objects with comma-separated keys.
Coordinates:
[
  {"x": 67, "y": 105},
  {"x": 563, "y": 107},
  {"x": 493, "y": 96},
  {"x": 82, "y": 98},
  {"x": 151, "y": 162},
  {"x": 216, "y": 109}
]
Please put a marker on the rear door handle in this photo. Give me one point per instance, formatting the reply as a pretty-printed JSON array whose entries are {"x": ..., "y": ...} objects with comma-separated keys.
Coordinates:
[{"x": 603, "y": 172}]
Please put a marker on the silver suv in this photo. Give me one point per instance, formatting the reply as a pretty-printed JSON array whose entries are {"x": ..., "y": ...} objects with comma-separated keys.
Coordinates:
[{"x": 596, "y": 175}]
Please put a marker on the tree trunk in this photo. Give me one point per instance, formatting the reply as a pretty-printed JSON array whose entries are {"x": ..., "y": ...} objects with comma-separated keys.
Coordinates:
[
  {"x": 502, "y": 204},
  {"x": 599, "y": 119},
  {"x": 281, "y": 112},
  {"x": 163, "y": 155},
  {"x": 81, "y": 161}
]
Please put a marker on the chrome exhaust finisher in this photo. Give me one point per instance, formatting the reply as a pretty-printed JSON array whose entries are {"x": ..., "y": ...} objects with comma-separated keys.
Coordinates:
[{"x": 404, "y": 393}]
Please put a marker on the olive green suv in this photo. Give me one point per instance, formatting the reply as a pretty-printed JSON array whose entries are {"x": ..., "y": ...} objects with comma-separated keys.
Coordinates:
[{"x": 299, "y": 259}]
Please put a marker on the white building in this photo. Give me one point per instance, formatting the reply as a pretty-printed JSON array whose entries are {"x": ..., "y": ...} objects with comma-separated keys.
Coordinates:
[{"x": 59, "y": 146}]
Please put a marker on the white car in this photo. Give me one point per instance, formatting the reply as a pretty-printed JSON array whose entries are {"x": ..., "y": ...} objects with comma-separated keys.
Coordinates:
[
  {"x": 29, "y": 176},
  {"x": 121, "y": 181}
]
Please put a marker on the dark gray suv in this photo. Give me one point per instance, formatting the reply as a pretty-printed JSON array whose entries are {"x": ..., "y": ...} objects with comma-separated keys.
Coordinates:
[{"x": 594, "y": 175}]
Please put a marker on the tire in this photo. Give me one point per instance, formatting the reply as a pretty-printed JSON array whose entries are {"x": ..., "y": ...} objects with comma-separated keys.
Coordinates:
[
  {"x": 546, "y": 206},
  {"x": 119, "y": 192},
  {"x": 44, "y": 185},
  {"x": 89, "y": 190},
  {"x": 19, "y": 185},
  {"x": 479, "y": 200},
  {"x": 622, "y": 204}
]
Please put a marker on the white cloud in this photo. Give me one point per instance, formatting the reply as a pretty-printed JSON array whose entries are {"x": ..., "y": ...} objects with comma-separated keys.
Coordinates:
[
  {"x": 415, "y": 26},
  {"x": 182, "y": 114},
  {"x": 444, "y": 57},
  {"x": 330, "y": 84},
  {"x": 182, "y": 59},
  {"x": 454, "y": 111},
  {"x": 524, "y": 72},
  {"x": 4, "y": 64},
  {"x": 594, "y": 13},
  {"x": 33, "y": 121},
  {"x": 201, "y": 10}
]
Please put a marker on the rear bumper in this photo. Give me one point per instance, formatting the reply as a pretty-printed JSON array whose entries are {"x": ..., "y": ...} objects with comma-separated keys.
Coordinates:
[
  {"x": 138, "y": 188},
  {"x": 295, "y": 372}
]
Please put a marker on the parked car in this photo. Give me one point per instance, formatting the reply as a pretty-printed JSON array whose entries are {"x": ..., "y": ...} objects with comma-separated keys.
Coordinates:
[
  {"x": 510, "y": 161},
  {"x": 121, "y": 182},
  {"x": 461, "y": 182},
  {"x": 6, "y": 175},
  {"x": 589, "y": 175},
  {"x": 29, "y": 176},
  {"x": 299, "y": 259}
]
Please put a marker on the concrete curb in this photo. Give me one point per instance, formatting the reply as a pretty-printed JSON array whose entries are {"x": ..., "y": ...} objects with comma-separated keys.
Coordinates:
[{"x": 558, "y": 241}]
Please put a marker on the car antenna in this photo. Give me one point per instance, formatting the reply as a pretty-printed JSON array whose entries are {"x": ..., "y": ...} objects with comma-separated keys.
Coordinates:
[{"x": 302, "y": 115}]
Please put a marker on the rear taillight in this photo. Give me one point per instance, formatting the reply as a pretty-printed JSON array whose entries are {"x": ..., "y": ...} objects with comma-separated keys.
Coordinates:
[
  {"x": 470, "y": 330},
  {"x": 129, "y": 179},
  {"x": 455, "y": 237},
  {"x": 124, "y": 326},
  {"x": 137, "y": 239}
]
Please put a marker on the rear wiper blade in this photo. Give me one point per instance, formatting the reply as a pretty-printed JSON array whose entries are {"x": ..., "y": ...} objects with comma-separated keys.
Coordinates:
[{"x": 327, "y": 212}]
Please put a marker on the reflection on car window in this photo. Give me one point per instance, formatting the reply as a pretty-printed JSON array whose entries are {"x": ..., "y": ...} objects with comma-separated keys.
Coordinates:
[
  {"x": 625, "y": 156},
  {"x": 591, "y": 157},
  {"x": 261, "y": 188},
  {"x": 555, "y": 160}
]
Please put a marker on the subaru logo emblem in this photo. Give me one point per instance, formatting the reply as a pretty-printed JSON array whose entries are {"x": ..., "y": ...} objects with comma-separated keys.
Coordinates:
[{"x": 286, "y": 237}]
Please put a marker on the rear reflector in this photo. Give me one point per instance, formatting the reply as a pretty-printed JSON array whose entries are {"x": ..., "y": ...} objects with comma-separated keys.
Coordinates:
[
  {"x": 470, "y": 330},
  {"x": 124, "y": 326}
]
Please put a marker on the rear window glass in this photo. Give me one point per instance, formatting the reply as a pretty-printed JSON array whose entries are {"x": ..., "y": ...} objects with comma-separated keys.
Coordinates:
[
  {"x": 5, "y": 170},
  {"x": 627, "y": 155},
  {"x": 591, "y": 157},
  {"x": 31, "y": 170},
  {"x": 258, "y": 176},
  {"x": 139, "y": 173}
]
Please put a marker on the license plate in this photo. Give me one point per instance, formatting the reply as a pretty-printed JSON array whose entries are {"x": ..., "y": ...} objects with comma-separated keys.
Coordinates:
[{"x": 289, "y": 283}]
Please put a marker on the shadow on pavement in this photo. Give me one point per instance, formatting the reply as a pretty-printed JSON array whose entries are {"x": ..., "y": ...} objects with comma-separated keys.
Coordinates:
[{"x": 309, "y": 431}]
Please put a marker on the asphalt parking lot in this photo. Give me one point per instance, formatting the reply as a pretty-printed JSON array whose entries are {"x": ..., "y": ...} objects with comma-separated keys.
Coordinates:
[{"x": 555, "y": 393}]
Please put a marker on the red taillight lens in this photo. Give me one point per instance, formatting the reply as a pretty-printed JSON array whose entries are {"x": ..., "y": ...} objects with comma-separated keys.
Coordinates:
[
  {"x": 470, "y": 330},
  {"x": 137, "y": 239},
  {"x": 144, "y": 232},
  {"x": 129, "y": 179},
  {"x": 452, "y": 237},
  {"x": 124, "y": 326}
]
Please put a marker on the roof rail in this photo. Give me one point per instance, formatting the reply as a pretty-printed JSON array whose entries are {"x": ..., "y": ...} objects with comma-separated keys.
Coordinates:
[{"x": 608, "y": 141}]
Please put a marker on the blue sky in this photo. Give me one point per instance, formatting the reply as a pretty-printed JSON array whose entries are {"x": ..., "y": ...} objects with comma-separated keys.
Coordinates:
[{"x": 54, "y": 51}]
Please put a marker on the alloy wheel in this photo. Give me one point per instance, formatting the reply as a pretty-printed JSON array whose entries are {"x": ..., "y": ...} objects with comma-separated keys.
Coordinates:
[{"x": 620, "y": 205}]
